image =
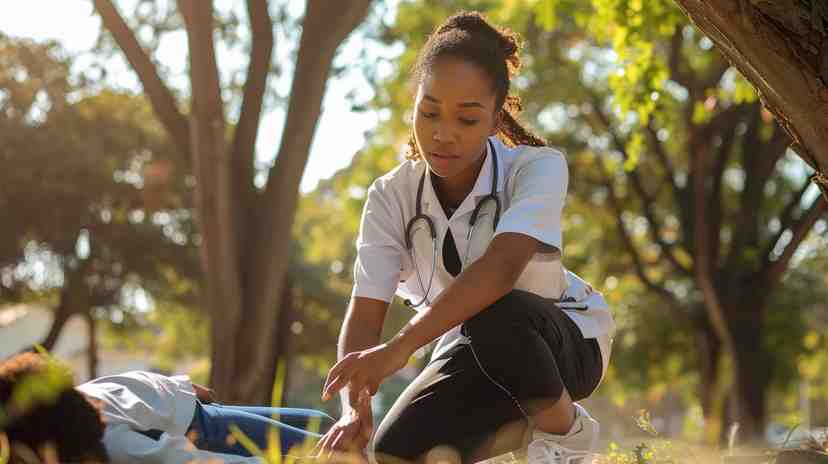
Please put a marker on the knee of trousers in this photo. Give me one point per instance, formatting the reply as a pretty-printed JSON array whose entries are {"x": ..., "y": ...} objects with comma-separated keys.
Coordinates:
[
  {"x": 506, "y": 314},
  {"x": 391, "y": 447}
]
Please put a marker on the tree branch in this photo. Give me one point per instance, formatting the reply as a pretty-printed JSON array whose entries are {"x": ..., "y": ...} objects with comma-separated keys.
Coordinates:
[
  {"x": 159, "y": 95},
  {"x": 638, "y": 186},
  {"x": 773, "y": 151},
  {"x": 773, "y": 274},
  {"x": 215, "y": 193},
  {"x": 703, "y": 265},
  {"x": 717, "y": 204},
  {"x": 717, "y": 70},
  {"x": 675, "y": 62},
  {"x": 244, "y": 141},
  {"x": 638, "y": 264},
  {"x": 666, "y": 163},
  {"x": 254, "y": 89},
  {"x": 786, "y": 221}
]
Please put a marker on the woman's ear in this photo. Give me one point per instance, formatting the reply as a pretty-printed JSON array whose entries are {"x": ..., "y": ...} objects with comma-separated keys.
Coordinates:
[{"x": 498, "y": 123}]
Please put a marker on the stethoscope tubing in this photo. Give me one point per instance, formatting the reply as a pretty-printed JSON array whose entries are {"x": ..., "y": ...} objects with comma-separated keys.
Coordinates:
[{"x": 409, "y": 229}]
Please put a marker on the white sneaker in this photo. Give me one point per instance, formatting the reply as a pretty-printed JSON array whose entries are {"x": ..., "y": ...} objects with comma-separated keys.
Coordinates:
[{"x": 575, "y": 447}]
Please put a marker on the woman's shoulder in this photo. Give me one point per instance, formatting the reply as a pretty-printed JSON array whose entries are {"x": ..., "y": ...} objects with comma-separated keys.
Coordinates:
[
  {"x": 400, "y": 177},
  {"x": 547, "y": 158},
  {"x": 534, "y": 152}
]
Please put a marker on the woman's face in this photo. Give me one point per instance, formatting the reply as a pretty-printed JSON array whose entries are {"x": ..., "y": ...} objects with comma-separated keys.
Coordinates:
[{"x": 453, "y": 116}]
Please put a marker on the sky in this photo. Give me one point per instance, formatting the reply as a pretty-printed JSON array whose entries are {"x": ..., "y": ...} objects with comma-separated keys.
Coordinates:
[{"x": 339, "y": 134}]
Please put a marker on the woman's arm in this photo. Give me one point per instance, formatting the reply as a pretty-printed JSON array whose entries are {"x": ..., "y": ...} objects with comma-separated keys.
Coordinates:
[
  {"x": 361, "y": 329},
  {"x": 484, "y": 282}
]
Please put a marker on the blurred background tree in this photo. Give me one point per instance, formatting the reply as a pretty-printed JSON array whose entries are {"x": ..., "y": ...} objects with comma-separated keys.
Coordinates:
[{"x": 95, "y": 200}]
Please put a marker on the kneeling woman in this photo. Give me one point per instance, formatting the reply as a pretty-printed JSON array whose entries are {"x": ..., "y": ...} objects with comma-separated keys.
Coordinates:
[{"x": 468, "y": 230}]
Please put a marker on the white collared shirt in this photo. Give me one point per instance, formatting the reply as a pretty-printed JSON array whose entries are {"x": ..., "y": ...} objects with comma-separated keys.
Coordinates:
[
  {"x": 138, "y": 401},
  {"x": 531, "y": 187}
]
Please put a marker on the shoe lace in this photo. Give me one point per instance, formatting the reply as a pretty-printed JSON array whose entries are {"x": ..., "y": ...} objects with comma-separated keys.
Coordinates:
[{"x": 549, "y": 452}]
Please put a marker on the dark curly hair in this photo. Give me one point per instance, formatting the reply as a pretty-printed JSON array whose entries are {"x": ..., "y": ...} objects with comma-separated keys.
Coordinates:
[
  {"x": 67, "y": 423},
  {"x": 468, "y": 36}
]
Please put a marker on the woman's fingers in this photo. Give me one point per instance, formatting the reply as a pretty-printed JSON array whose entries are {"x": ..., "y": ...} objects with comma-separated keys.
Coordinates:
[
  {"x": 329, "y": 450},
  {"x": 343, "y": 442},
  {"x": 324, "y": 442},
  {"x": 337, "y": 377}
]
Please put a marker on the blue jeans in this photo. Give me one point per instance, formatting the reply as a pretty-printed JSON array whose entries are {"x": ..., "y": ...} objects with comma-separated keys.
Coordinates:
[{"x": 211, "y": 425}]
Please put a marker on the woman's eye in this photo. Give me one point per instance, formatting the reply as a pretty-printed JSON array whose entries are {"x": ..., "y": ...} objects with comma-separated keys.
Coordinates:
[
  {"x": 468, "y": 122},
  {"x": 428, "y": 115}
]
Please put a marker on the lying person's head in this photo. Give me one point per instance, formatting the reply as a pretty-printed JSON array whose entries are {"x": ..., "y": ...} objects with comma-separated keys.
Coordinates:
[{"x": 43, "y": 416}]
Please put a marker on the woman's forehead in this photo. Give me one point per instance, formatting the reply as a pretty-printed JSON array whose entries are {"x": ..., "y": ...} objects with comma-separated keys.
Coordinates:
[{"x": 456, "y": 82}]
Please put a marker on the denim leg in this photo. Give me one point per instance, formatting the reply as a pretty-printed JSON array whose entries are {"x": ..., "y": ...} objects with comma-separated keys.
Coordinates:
[
  {"x": 294, "y": 417},
  {"x": 212, "y": 426}
]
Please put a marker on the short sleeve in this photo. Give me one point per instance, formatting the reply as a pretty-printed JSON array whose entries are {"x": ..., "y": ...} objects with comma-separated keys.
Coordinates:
[
  {"x": 380, "y": 246},
  {"x": 537, "y": 191}
]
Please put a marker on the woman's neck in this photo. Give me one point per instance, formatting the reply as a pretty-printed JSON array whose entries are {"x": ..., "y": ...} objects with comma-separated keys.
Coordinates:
[{"x": 452, "y": 191}]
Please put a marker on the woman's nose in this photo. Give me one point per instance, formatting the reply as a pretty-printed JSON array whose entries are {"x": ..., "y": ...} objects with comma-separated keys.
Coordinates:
[{"x": 441, "y": 134}]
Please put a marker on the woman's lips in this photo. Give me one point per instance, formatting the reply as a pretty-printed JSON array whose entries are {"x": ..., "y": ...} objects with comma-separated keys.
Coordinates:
[{"x": 442, "y": 156}]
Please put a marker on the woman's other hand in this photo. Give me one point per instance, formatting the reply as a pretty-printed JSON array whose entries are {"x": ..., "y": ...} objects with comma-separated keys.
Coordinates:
[{"x": 351, "y": 433}]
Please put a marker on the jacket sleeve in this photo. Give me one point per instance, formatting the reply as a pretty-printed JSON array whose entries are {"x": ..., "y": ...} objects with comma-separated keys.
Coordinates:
[{"x": 124, "y": 445}]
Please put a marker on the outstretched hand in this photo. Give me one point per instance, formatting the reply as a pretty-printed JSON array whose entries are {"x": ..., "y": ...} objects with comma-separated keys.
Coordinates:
[{"x": 364, "y": 370}]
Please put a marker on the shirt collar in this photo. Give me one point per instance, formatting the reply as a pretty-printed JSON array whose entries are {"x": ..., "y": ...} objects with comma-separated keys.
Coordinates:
[{"x": 482, "y": 187}]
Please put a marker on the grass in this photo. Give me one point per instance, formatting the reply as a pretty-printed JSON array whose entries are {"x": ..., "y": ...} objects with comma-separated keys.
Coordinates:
[{"x": 657, "y": 450}]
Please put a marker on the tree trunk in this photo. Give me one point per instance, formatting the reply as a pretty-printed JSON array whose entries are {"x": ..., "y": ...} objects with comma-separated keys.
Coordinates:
[
  {"x": 215, "y": 197},
  {"x": 92, "y": 353},
  {"x": 245, "y": 233},
  {"x": 280, "y": 344},
  {"x": 784, "y": 56},
  {"x": 752, "y": 363},
  {"x": 268, "y": 238},
  {"x": 62, "y": 313},
  {"x": 709, "y": 350}
]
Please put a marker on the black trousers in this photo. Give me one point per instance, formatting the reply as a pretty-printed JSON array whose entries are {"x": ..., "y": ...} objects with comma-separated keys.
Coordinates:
[{"x": 523, "y": 348}]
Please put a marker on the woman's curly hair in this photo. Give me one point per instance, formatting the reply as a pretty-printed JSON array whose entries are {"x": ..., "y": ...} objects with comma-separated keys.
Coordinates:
[
  {"x": 468, "y": 36},
  {"x": 64, "y": 422}
]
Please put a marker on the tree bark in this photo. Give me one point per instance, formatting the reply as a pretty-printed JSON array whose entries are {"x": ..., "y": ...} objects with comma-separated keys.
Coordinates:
[
  {"x": 281, "y": 342},
  {"x": 787, "y": 63},
  {"x": 709, "y": 348}
]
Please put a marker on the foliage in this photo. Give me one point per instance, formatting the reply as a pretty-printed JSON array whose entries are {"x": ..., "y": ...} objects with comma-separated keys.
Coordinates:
[
  {"x": 37, "y": 388},
  {"x": 101, "y": 167}
]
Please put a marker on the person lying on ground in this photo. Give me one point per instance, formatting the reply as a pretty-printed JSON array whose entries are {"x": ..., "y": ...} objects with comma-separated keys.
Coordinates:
[{"x": 133, "y": 417}]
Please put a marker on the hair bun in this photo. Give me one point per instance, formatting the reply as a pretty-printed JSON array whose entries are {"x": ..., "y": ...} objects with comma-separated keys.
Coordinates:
[{"x": 475, "y": 23}]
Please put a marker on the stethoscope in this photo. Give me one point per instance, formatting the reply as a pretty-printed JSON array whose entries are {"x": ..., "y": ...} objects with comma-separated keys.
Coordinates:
[{"x": 422, "y": 220}]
